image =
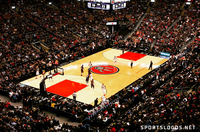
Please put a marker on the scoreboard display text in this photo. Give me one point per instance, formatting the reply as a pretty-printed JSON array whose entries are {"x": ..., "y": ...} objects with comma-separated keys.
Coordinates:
[
  {"x": 101, "y": 6},
  {"x": 106, "y": 4}
]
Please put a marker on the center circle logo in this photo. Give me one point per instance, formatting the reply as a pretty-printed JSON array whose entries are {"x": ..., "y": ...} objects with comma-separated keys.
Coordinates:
[{"x": 104, "y": 69}]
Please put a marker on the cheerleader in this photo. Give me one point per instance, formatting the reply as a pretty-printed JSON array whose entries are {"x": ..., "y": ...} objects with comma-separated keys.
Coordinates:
[
  {"x": 115, "y": 59},
  {"x": 82, "y": 70}
]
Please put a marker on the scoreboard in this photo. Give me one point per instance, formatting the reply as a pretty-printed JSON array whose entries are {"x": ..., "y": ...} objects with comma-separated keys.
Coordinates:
[
  {"x": 120, "y": 5},
  {"x": 106, "y": 4},
  {"x": 107, "y": 1},
  {"x": 101, "y": 6}
]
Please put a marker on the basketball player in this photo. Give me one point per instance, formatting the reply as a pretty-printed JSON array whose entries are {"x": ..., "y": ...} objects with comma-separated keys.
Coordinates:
[
  {"x": 115, "y": 59},
  {"x": 92, "y": 84},
  {"x": 91, "y": 77},
  {"x": 87, "y": 79},
  {"x": 82, "y": 69},
  {"x": 50, "y": 76},
  {"x": 89, "y": 71},
  {"x": 103, "y": 87},
  {"x": 131, "y": 63},
  {"x": 90, "y": 64}
]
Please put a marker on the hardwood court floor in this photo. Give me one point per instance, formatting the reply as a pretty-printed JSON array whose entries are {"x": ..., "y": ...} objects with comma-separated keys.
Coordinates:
[{"x": 113, "y": 82}]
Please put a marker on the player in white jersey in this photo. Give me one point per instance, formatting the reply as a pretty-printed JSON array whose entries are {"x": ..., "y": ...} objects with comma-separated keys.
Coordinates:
[
  {"x": 91, "y": 77},
  {"x": 103, "y": 87},
  {"x": 90, "y": 64},
  {"x": 115, "y": 59}
]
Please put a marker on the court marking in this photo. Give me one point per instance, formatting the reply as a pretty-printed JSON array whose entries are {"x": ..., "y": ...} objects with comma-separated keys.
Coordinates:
[
  {"x": 104, "y": 70},
  {"x": 113, "y": 82},
  {"x": 142, "y": 62}
]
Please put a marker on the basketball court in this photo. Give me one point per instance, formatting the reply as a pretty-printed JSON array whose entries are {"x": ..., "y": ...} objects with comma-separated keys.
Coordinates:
[{"x": 114, "y": 75}]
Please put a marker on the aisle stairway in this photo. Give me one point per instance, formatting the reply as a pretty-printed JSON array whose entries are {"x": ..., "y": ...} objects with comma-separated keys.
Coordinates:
[
  {"x": 141, "y": 19},
  {"x": 136, "y": 27}
]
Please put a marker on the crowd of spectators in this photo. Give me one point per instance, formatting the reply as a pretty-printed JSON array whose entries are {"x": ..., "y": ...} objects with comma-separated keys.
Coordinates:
[
  {"x": 21, "y": 56},
  {"x": 184, "y": 30},
  {"x": 156, "y": 21},
  {"x": 29, "y": 25},
  {"x": 69, "y": 31},
  {"x": 165, "y": 98},
  {"x": 28, "y": 119}
]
